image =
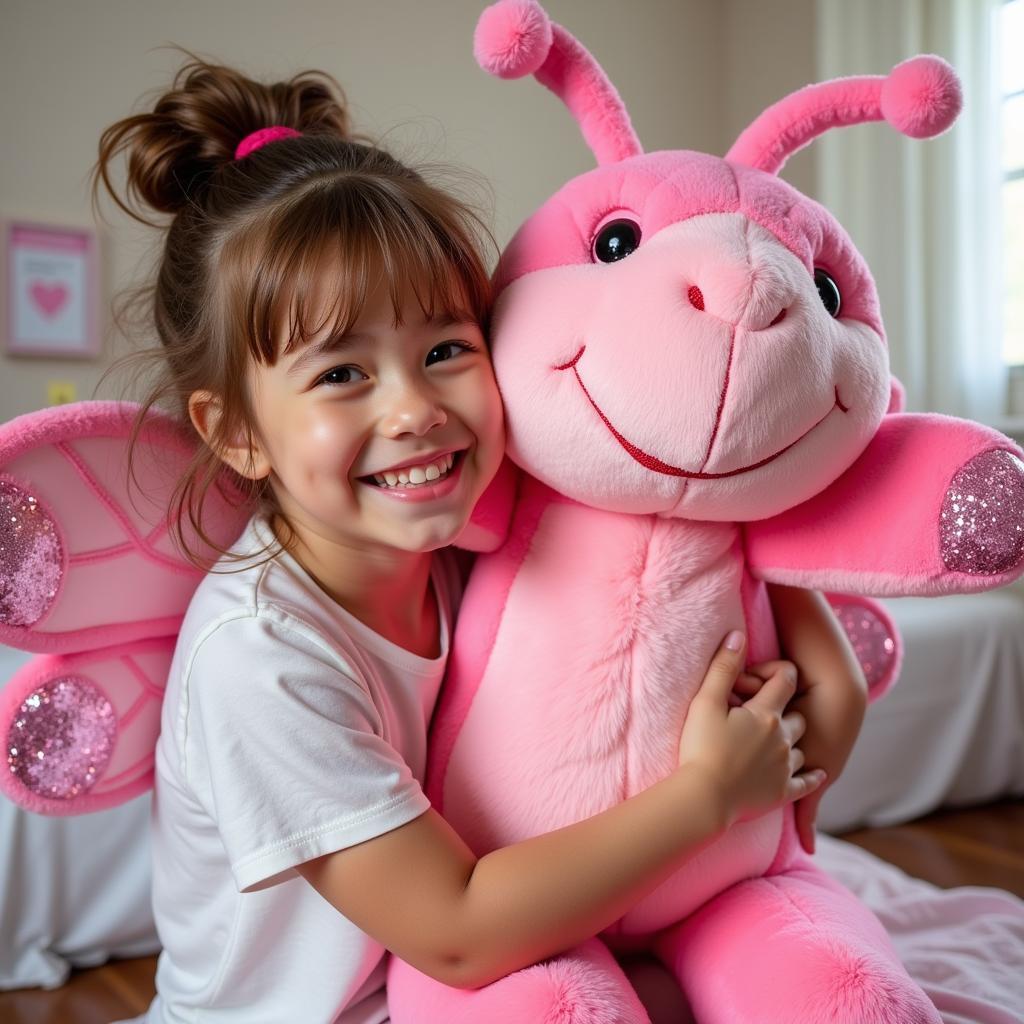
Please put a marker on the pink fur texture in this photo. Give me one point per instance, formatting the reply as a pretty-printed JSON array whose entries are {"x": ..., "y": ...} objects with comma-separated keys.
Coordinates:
[
  {"x": 512, "y": 39},
  {"x": 517, "y": 38},
  {"x": 586, "y": 986},
  {"x": 920, "y": 97},
  {"x": 697, "y": 391}
]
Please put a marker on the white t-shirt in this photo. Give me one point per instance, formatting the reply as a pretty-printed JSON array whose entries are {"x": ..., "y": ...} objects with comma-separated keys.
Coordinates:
[{"x": 290, "y": 730}]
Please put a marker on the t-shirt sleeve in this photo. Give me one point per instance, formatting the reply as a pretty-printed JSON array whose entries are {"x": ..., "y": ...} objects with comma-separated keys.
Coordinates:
[{"x": 285, "y": 750}]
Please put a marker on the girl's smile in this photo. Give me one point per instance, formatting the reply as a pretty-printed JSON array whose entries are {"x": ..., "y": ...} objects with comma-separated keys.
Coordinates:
[
  {"x": 383, "y": 438},
  {"x": 419, "y": 481}
]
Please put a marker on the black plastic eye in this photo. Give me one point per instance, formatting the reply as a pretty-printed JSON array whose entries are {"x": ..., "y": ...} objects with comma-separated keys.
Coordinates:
[
  {"x": 616, "y": 240},
  {"x": 828, "y": 290}
]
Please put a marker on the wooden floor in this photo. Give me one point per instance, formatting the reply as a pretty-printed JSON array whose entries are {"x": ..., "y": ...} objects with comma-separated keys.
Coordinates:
[{"x": 980, "y": 846}]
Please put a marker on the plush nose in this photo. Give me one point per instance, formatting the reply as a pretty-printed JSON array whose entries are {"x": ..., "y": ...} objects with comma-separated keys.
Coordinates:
[{"x": 765, "y": 307}]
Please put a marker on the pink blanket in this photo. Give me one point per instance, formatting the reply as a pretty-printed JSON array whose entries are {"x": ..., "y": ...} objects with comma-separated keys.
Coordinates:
[{"x": 963, "y": 946}]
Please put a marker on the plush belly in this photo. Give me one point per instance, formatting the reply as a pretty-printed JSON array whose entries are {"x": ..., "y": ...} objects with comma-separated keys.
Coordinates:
[{"x": 607, "y": 628}]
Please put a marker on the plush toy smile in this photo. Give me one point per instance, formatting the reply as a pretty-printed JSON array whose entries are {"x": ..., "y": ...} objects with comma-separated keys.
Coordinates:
[{"x": 651, "y": 462}]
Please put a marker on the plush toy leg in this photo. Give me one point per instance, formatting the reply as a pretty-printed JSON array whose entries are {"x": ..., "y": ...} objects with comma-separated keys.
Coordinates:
[
  {"x": 585, "y": 984},
  {"x": 792, "y": 948}
]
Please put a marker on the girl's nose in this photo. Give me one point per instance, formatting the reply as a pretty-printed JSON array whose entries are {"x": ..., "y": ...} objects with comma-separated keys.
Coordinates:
[{"x": 412, "y": 412}]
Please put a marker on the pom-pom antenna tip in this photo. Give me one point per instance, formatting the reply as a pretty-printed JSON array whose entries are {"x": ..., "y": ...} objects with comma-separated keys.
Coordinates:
[
  {"x": 513, "y": 38},
  {"x": 922, "y": 97}
]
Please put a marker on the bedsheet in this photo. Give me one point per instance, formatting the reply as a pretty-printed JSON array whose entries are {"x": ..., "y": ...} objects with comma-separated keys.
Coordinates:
[{"x": 964, "y": 946}]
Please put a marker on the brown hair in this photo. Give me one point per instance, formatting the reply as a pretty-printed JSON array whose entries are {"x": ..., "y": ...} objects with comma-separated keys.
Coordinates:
[{"x": 248, "y": 238}]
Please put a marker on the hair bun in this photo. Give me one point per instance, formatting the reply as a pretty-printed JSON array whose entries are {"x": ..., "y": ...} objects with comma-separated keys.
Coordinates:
[{"x": 195, "y": 127}]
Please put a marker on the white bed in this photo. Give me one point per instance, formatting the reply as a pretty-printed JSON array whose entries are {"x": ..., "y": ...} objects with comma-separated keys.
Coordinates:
[
  {"x": 76, "y": 890},
  {"x": 951, "y": 731}
]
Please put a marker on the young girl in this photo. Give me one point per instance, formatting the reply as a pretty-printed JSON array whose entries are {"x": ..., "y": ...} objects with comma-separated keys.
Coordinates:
[{"x": 320, "y": 308}]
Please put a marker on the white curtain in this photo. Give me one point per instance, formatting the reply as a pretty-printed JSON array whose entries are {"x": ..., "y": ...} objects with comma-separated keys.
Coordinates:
[{"x": 925, "y": 214}]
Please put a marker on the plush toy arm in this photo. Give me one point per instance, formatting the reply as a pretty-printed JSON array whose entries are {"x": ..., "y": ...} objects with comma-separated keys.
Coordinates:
[
  {"x": 934, "y": 505},
  {"x": 488, "y": 525}
]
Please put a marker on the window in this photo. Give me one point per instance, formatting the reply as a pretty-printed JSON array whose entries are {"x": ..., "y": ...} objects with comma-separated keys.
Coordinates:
[{"x": 1011, "y": 42}]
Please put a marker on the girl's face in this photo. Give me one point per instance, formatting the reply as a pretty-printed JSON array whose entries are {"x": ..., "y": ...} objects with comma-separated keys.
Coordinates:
[{"x": 384, "y": 437}]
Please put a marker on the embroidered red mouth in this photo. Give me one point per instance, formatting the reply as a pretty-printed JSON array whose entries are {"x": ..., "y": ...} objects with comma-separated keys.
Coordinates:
[{"x": 655, "y": 464}]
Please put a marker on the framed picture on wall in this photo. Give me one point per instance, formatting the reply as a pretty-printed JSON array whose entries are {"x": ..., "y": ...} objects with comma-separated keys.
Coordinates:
[{"x": 52, "y": 284}]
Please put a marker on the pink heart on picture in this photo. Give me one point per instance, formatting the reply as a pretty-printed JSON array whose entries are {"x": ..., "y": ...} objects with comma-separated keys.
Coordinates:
[{"x": 50, "y": 298}]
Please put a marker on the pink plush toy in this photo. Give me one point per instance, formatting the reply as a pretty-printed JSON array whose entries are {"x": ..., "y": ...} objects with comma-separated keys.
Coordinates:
[{"x": 697, "y": 389}]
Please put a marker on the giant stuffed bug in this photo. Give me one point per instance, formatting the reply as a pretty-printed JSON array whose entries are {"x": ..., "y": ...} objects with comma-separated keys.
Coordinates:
[
  {"x": 698, "y": 396},
  {"x": 746, "y": 439}
]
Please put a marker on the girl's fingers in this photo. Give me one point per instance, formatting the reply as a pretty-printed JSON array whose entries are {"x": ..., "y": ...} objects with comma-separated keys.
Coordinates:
[
  {"x": 800, "y": 785},
  {"x": 778, "y": 690},
  {"x": 724, "y": 668},
  {"x": 796, "y": 760},
  {"x": 794, "y": 725},
  {"x": 747, "y": 685},
  {"x": 764, "y": 670}
]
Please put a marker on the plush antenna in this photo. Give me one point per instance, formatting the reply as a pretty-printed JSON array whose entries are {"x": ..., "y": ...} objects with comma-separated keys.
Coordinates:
[
  {"x": 516, "y": 38},
  {"x": 920, "y": 97}
]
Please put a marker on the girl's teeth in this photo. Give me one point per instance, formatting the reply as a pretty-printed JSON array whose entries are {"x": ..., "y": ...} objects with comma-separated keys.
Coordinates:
[{"x": 417, "y": 474}]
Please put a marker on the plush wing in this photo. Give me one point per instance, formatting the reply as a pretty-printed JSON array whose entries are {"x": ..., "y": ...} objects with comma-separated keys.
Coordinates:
[
  {"x": 86, "y": 557},
  {"x": 874, "y": 638},
  {"x": 79, "y": 729},
  {"x": 89, "y": 572}
]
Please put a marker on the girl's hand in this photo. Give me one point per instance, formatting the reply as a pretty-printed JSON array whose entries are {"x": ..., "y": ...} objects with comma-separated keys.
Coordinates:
[
  {"x": 833, "y": 708},
  {"x": 749, "y": 751}
]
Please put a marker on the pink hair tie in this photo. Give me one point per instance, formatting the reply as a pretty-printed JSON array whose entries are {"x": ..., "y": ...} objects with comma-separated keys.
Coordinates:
[{"x": 254, "y": 140}]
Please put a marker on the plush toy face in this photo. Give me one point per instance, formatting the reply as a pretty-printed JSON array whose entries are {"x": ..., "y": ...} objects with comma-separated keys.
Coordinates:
[{"x": 667, "y": 341}]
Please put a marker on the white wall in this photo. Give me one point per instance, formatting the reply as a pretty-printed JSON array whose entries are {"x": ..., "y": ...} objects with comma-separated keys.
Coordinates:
[{"x": 692, "y": 72}]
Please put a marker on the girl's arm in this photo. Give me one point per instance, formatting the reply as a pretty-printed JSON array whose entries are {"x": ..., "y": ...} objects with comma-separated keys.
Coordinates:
[
  {"x": 422, "y": 892},
  {"x": 832, "y": 693}
]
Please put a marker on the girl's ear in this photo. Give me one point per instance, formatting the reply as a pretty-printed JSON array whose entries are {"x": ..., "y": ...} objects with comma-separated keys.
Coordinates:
[{"x": 243, "y": 452}]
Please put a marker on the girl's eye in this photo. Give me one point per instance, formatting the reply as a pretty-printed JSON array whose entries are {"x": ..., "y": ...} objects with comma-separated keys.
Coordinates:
[
  {"x": 342, "y": 375},
  {"x": 447, "y": 350}
]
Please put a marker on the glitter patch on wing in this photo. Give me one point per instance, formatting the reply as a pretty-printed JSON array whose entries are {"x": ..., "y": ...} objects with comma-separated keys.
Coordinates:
[
  {"x": 31, "y": 557},
  {"x": 61, "y": 740},
  {"x": 981, "y": 526},
  {"x": 871, "y": 639}
]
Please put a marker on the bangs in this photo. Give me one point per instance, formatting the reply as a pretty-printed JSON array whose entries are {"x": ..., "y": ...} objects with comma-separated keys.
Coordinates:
[{"x": 313, "y": 260}]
